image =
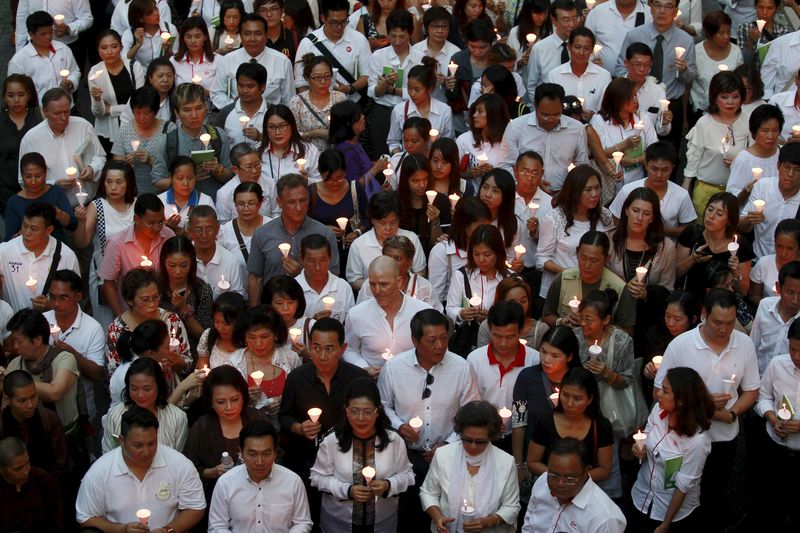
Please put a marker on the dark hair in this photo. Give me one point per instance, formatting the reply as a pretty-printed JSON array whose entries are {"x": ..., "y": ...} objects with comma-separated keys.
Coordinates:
[
  {"x": 289, "y": 182},
  {"x": 569, "y": 197},
  {"x": 330, "y": 161},
  {"x": 249, "y": 186},
  {"x": 722, "y": 298},
  {"x": 253, "y": 17},
  {"x": 315, "y": 241},
  {"x": 762, "y": 114},
  {"x": 364, "y": 387},
  {"x": 478, "y": 414},
  {"x": 497, "y": 115},
  {"x": 222, "y": 376},
  {"x": 53, "y": 95},
  {"x": 149, "y": 335},
  {"x": 731, "y": 205},
  {"x": 661, "y": 151},
  {"x": 147, "y": 202},
  {"x": 328, "y": 324},
  {"x": 45, "y": 211},
  {"x": 619, "y": 92},
  {"x": 419, "y": 124},
  {"x": 789, "y": 270},
  {"x": 69, "y": 277},
  {"x": 504, "y": 85},
  {"x": 182, "y": 161},
  {"x": 602, "y": 301},
  {"x": 38, "y": 20},
  {"x": 194, "y": 23},
  {"x": 179, "y": 244},
  {"x": 145, "y": 97},
  {"x": 510, "y": 283},
  {"x": 412, "y": 164},
  {"x": 790, "y": 153},
  {"x": 223, "y": 11},
  {"x": 529, "y": 154},
  {"x": 130, "y": 180},
  {"x": 595, "y": 238},
  {"x": 460, "y": 15},
  {"x": 427, "y": 317},
  {"x": 468, "y": 211},
  {"x": 435, "y": 14},
  {"x": 525, "y": 20},
  {"x": 399, "y": 19},
  {"x": 794, "y": 331},
  {"x": 147, "y": 367},
  {"x": 582, "y": 31},
  {"x": 580, "y": 377},
  {"x": 424, "y": 73},
  {"x": 137, "y": 417},
  {"x": 333, "y": 5},
  {"x": 202, "y": 211},
  {"x": 506, "y": 313},
  {"x": 449, "y": 151},
  {"x": 688, "y": 304},
  {"x": 286, "y": 286},
  {"x": 296, "y": 143},
  {"x": 343, "y": 116},
  {"x": 655, "y": 233},
  {"x": 488, "y": 235},
  {"x": 261, "y": 316},
  {"x": 231, "y": 306},
  {"x": 791, "y": 227},
  {"x": 563, "y": 338},
  {"x": 480, "y": 30},
  {"x": 256, "y": 429},
  {"x": 137, "y": 11},
  {"x": 694, "y": 406},
  {"x": 506, "y": 218},
  {"x": 134, "y": 280},
  {"x": 300, "y": 13},
  {"x": 569, "y": 446},
  {"x": 713, "y": 23},
  {"x": 399, "y": 242},
  {"x": 16, "y": 379},
  {"x": 548, "y": 91},
  {"x": 311, "y": 60},
  {"x": 563, "y": 5},
  {"x": 383, "y": 204},
  {"x": 721, "y": 83},
  {"x": 638, "y": 49},
  {"x": 32, "y": 158},
  {"x": 27, "y": 83},
  {"x": 254, "y": 71},
  {"x": 151, "y": 70},
  {"x": 749, "y": 71}
]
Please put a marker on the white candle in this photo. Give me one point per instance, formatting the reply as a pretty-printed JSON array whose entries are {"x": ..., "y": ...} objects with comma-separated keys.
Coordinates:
[
  {"x": 756, "y": 172},
  {"x": 570, "y": 167},
  {"x": 597, "y": 49},
  {"x": 454, "y": 198},
  {"x": 205, "y": 370},
  {"x": 434, "y": 134},
  {"x": 505, "y": 414},
  {"x": 145, "y": 262},
  {"x": 595, "y": 351},
  {"x": 581, "y": 99},
  {"x": 554, "y": 398},
  {"x": 387, "y": 354},
  {"x": 72, "y": 173},
  {"x": 301, "y": 164},
  {"x": 452, "y": 67},
  {"x": 784, "y": 414},
  {"x": 135, "y": 144},
  {"x": 173, "y": 338},
  {"x": 639, "y": 439},
  {"x": 639, "y": 128},
  {"x": 467, "y": 512},
  {"x": 725, "y": 146},
  {"x": 314, "y": 413},
  {"x": 590, "y": 4},
  {"x": 574, "y": 304},
  {"x": 641, "y": 272},
  {"x": 796, "y": 130},
  {"x": 143, "y": 515},
  {"x": 679, "y": 51},
  {"x": 663, "y": 105},
  {"x": 617, "y": 158},
  {"x": 475, "y": 301},
  {"x": 64, "y": 73},
  {"x": 165, "y": 37},
  {"x": 759, "y": 205},
  {"x": 519, "y": 251},
  {"x": 415, "y": 423},
  {"x": 534, "y": 207},
  {"x": 342, "y": 221},
  {"x": 523, "y": 342},
  {"x": 482, "y": 157},
  {"x": 531, "y": 38},
  {"x": 431, "y": 196},
  {"x": 295, "y": 333},
  {"x": 59, "y": 19},
  {"x": 284, "y": 247},
  {"x": 728, "y": 384},
  {"x": 257, "y": 377},
  {"x": 723, "y": 68},
  {"x": 223, "y": 283},
  {"x": 243, "y": 120},
  {"x": 387, "y": 172},
  {"x": 328, "y": 302},
  {"x": 657, "y": 361},
  {"x": 733, "y": 247},
  {"x": 54, "y": 331},
  {"x": 205, "y": 139},
  {"x": 229, "y": 40},
  {"x": 31, "y": 283},
  {"x": 197, "y": 79},
  {"x": 760, "y": 25},
  {"x": 369, "y": 474}
]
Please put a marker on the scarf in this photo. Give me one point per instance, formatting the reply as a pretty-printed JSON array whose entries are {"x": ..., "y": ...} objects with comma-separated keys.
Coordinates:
[{"x": 484, "y": 490}]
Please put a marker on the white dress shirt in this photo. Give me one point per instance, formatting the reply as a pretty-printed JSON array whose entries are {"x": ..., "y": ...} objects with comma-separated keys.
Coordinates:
[
  {"x": 368, "y": 334},
  {"x": 332, "y": 474},
  {"x": 273, "y": 166},
  {"x": 18, "y": 265},
  {"x": 402, "y": 382},
  {"x": 46, "y": 71},
  {"x": 86, "y": 335},
  {"x": 650, "y": 94},
  {"x": 770, "y": 332},
  {"x": 480, "y": 286},
  {"x": 352, "y": 51},
  {"x": 781, "y": 64},
  {"x": 559, "y": 147},
  {"x": 280, "y": 84},
  {"x": 591, "y": 85},
  {"x": 590, "y": 511},
  {"x": 611, "y": 133},
  {"x": 224, "y": 263},
  {"x": 664, "y": 448},
  {"x": 676, "y": 205},
  {"x": 366, "y": 248},
  {"x": 524, "y": 213},
  {"x": 172, "y": 208},
  {"x": 226, "y": 207},
  {"x": 151, "y": 44},
  {"x": 781, "y": 382},
  {"x": 791, "y": 114},
  {"x": 440, "y": 116},
  {"x": 387, "y": 57},
  {"x": 119, "y": 19},
  {"x": 336, "y": 288},
  {"x": 277, "y": 504},
  {"x": 234, "y": 128},
  {"x": 493, "y": 387},
  {"x": 418, "y": 287},
  {"x": 444, "y": 260},
  {"x": 765, "y": 271},
  {"x": 77, "y": 16},
  {"x": 777, "y": 208},
  {"x": 111, "y": 491},
  {"x": 737, "y": 359},
  {"x": 421, "y": 49},
  {"x": 186, "y": 69},
  {"x": 545, "y": 56},
  {"x": 610, "y": 27},
  {"x": 742, "y": 166}
]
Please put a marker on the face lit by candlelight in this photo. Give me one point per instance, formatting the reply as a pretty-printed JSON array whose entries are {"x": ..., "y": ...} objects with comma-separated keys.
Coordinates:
[
  {"x": 505, "y": 339},
  {"x": 203, "y": 231},
  {"x": 592, "y": 324},
  {"x": 139, "y": 446},
  {"x": 786, "y": 249},
  {"x": 143, "y": 390},
  {"x": 260, "y": 341},
  {"x": 574, "y": 400},
  {"x": 666, "y": 399},
  {"x": 362, "y": 414},
  {"x": 227, "y": 402},
  {"x": 35, "y": 232},
  {"x": 554, "y": 361},
  {"x": 258, "y": 455},
  {"x": 286, "y": 307}
]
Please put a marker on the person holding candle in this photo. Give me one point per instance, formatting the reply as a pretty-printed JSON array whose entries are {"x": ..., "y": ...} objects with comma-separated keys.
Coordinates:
[
  {"x": 347, "y": 123},
  {"x": 107, "y": 501},
  {"x": 533, "y": 20},
  {"x": 71, "y": 18},
  {"x": 471, "y": 482},
  {"x": 17, "y": 116},
  {"x": 466, "y": 12},
  {"x": 195, "y": 60},
  {"x": 497, "y": 191},
  {"x": 717, "y": 352},
  {"x": 754, "y": 34},
  {"x": 764, "y": 275},
  {"x": 161, "y": 76},
  {"x": 247, "y": 168},
  {"x": 766, "y": 122},
  {"x": 226, "y": 32},
  {"x": 35, "y": 189},
  {"x": 422, "y": 215},
  {"x": 262, "y": 333},
  {"x": 119, "y": 19},
  {"x": 237, "y": 234},
  {"x": 217, "y": 344},
  {"x": 775, "y": 315},
  {"x": 576, "y": 210},
  {"x": 500, "y": 78},
  {"x": 610, "y": 21},
  {"x": 285, "y": 296},
  {"x": 182, "y": 195},
  {"x": 550, "y": 52},
  {"x": 786, "y": 102},
  {"x": 361, "y": 440},
  {"x": 149, "y": 37},
  {"x": 111, "y": 83},
  {"x": 781, "y": 195},
  {"x": 417, "y": 139},
  {"x": 514, "y": 289},
  {"x": 487, "y": 119},
  {"x": 146, "y": 387},
  {"x": 651, "y": 94},
  {"x": 445, "y": 162},
  {"x": 682, "y": 313},
  {"x": 325, "y": 295},
  {"x": 216, "y": 265},
  {"x": 283, "y": 147},
  {"x": 437, "y": 26},
  {"x": 312, "y": 109},
  {"x": 710, "y": 240}
]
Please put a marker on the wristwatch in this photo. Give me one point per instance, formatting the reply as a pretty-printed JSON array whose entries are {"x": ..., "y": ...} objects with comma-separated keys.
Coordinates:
[
  {"x": 734, "y": 416},
  {"x": 169, "y": 529}
]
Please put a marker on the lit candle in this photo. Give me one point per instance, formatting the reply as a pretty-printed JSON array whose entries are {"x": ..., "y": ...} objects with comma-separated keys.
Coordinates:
[
  {"x": 387, "y": 172},
  {"x": 756, "y": 172},
  {"x": 284, "y": 247},
  {"x": 205, "y": 370},
  {"x": 590, "y": 4},
  {"x": 482, "y": 157},
  {"x": 295, "y": 333},
  {"x": 54, "y": 331},
  {"x": 570, "y": 167},
  {"x": 454, "y": 198},
  {"x": 475, "y": 301},
  {"x": 728, "y": 384},
  {"x": 759, "y": 205},
  {"x": 31, "y": 284},
  {"x": 581, "y": 99},
  {"x": 434, "y": 134},
  {"x": 80, "y": 195},
  {"x": 733, "y": 247},
  {"x": 657, "y": 359},
  {"x": 678, "y": 15},
  {"x": 229, "y": 40},
  {"x": 663, "y": 105},
  {"x": 342, "y": 221},
  {"x": 135, "y": 144},
  {"x": 452, "y": 67},
  {"x": 243, "y": 120},
  {"x": 723, "y": 68},
  {"x": 639, "y": 439},
  {"x": 197, "y": 79},
  {"x": 638, "y": 128},
  {"x": 173, "y": 338},
  {"x": 328, "y": 302},
  {"x": 145, "y": 263},
  {"x": 597, "y": 49},
  {"x": 369, "y": 474},
  {"x": 314, "y": 413},
  {"x": 223, "y": 283},
  {"x": 505, "y": 414},
  {"x": 467, "y": 512},
  {"x": 679, "y": 51},
  {"x": 257, "y": 377},
  {"x": 205, "y": 139},
  {"x": 415, "y": 423},
  {"x": 531, "y": 38},
  {"x": 64, "y": 73},
  {"x": 59, "y": 19},
  {"x": 574, "y": 304},
  {"x": 796, "y": 131},
  {"x": 617, "y": 158},
  {"x": 143, "y": 515},
  {"x": 641, "y": 272},
  {"x": 301, "y": 164},
  {"x": 72, "y": 173},
  {"x": 387, "y": 354},
  {"x": 519, "y": 251},
  {"x": 554, "y": 398},
  {"x": 595, "y": 351},
  {"x": 760, "y": 25},
  {"x": 165, "y": 37},
  {"x": 534, "y": 207}
]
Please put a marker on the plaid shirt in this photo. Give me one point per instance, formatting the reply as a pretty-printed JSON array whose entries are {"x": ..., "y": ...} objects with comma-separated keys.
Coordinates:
[{"x": 743, "y": 37}]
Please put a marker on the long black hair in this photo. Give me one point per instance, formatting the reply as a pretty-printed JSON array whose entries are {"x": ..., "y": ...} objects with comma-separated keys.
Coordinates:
[
  {"x": 363, "y": 388},
  {"x": 296, "y": 143},
  {"x": 231, "y": 306}
]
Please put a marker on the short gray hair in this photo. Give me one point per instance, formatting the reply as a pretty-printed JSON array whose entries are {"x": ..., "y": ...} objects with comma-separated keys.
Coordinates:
[
  {"x": 290, "y": 181},
  {"x": 240, "y": 150}
]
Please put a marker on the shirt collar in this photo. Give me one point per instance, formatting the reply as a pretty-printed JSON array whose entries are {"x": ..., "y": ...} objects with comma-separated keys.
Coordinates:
[
  {"x": 582, "y": 499},
  {"x": 701, "y": 344},
  {"x": 519, "y": 358},
  {"x": 121, "y": 468}
]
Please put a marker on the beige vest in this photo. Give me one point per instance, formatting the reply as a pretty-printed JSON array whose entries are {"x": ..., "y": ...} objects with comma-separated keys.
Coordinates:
[{"x": 571, "y": 287}]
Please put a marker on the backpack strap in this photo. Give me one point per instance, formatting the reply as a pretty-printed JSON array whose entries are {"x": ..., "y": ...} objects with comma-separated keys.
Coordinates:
[
  {"x": 467, "y": 287},
  {"x": 53, "y": 267}
]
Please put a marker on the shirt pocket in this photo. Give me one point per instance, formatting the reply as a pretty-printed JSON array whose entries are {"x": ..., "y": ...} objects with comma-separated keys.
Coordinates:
[{"x": 280, "y": 516}]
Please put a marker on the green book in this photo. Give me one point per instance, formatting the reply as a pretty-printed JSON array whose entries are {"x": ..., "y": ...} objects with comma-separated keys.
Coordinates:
[
  {"x": 762, "y": 52},
  {"x": 202, "y": 156},
  {"x": 633, "y": 153},
  {"x": 671, "y": 468},
  {"x": 388, "y": 70}
]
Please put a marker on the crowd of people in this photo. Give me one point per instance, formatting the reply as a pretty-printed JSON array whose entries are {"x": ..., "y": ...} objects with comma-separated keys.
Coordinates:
[{"x": 400, "y": 265}]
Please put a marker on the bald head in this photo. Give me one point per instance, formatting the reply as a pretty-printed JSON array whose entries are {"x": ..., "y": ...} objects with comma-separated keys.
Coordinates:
[
  {"x": 384, "y": 263},
  {"x": 384, "y": 281}
]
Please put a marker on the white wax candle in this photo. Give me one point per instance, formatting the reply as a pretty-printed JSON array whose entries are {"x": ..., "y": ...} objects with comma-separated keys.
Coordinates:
[
  {"x": 59, "y": 19},
  {"x": 641, "y": 272},
  {"x": 617, "y": 158},
  {"x": 574, "y": 304},
  {"x": 143, "y": 515},
  {"x": 197, "y": 79},
  {"x": 31, "y": 283},
  {"x": 639, "y": 438},
  {"x": 431, "y": 196},
  {"x": 531, "y": 38},
  {"x": 54, "y": 331},
  {"x": 342, "y": 221},
  {"x": 369, "y": 473},
  {"x": 505, "y": 414},
  {"x": 534, "y": 207},
  {"x": 328, "y": 302},
  {"x": 452, "y": 67},
  {"x": 285, "y": 247},
  {"x": 554, "y": 399},
  {"x": 387, "y": 354},
  {"x": 295, "y": 333},
  {"x": 415, "y": 423},
  {"x": 454, "y": 198},
  {"x": 760, "y": 25},
  {"x": 482, "y": 157},
  {"x": 759, "y": 205},
  {"x": 223, "y": 283},
  {"x": 243, "y": 120},
  {"x": 595, "y": 351},
  {"x": 64, "y": 73},
  {"x": 165, "y": 37},
  {"x": 258, "y": 377},
  {"x": 475, "y": 301},
  {"x": 145, "y": 262},
  {"x": 229, "y": 40},
  {"x": 733, "y": 247},
  {"x": 301, "y": 164},
  {"x": 597, "y": 49},
  {"x": 757, "y": 172},
  {"x": 434, "y": 133},
  {"x": 657, "y": 359},
  {"x": 314, "y": 413},
  {"x": 135, "y": 144},
  {"x": 519, "y": 251},
  {"x": 72, "y": 173},
  {"x": 205, "y": 139}
]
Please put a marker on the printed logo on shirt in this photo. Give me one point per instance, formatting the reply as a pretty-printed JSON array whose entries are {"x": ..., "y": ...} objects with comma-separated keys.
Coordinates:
[
  {"x": 349, "y": 49},
  {"x": 14, "y": 266},
  {"x": 163, "y": 493}
]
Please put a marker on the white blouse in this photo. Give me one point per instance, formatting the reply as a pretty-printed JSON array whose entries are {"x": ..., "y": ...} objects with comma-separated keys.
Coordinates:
[
  {"x": 704, "y": 152},
  {"x": 742, "y": 170},
  {"x": 106, "y": 125},
  {"x": 480, "y": 285},
  {"x": 611, "y": 133},
  {"x": 227, "y": 238},
  {"x": 707, "y": 68},
  {"x": 284, "y": 359},
  {"x": 445, "y": 259},
  {"x": 781, "y": 382},
  {"x": 765, "y": 271}
]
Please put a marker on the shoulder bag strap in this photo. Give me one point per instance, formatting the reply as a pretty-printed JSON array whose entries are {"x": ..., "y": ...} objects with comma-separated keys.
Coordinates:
[
  {"x": 312, "y": 110},
  {"x": 53, "y": 267},
  {"x": 305, "y": 330},
  {"x": 467, "y": 288},
  {"x": 330, "y": 57},
  {"x": 242, "y": 245},
  {"x": 101, "y": 225}
]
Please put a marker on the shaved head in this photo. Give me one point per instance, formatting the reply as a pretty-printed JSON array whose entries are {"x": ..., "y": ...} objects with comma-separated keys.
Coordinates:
[
  {"x": 384, "y": 281},
  {"x": 384, "y": 264}
]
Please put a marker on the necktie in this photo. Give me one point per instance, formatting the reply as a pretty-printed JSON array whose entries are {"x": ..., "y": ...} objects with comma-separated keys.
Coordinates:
[
  {"x": 657, "y": 70},
  {"x": 253, "y": 60},
  {"x": 564, "y": 53}
]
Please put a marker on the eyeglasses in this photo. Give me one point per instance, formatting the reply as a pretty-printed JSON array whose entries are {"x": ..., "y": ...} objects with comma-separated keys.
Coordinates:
[
  {"x": 336, "y": 23},
  {"x": 529, "y": 173},
  {"x": 662, "y": 7},
  {"x": 147, "y": 300},
  {"x": 278, "y": 127},
  {"x": 554, "y": 478},
  {"x": 474, "y": 442},
  {"x": 362, "y": 413},
  {"x": 252, "y": 167},
  {"x": 246, "y": 205},
  {"x": 206, "y": 230},
  {"x": 790, "y": 169},
  {"x": 321, "y": 79},
  {"x": 567, "y": 20},
  {"x": 439, "y": 27},
  {"x": 426, "y": 393},
  {"x": 156, "y": 225}
]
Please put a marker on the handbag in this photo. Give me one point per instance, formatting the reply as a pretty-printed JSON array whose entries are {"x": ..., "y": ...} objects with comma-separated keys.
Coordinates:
[
  {"x": 624, "y": 408},
  {"x": 465, "y": 335}
]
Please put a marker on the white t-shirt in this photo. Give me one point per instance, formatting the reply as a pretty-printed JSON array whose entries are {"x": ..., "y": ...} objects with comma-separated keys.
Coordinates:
[
  {"x": 676, "y": 206},
  {"x": 765, "y": 271}
]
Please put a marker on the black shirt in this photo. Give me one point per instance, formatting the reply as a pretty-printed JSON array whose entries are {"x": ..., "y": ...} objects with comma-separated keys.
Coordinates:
[
  {"x": 10, "y": 138},
  {"x": 286, "y": 43},
  {"x": 697, "y": 279},
  {"x": 304, "y": 390}
]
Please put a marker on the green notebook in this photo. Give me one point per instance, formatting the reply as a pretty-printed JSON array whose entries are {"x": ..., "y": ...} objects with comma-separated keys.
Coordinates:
[
  {"x": 633, "y": 153},
  {"x": 202, "y": 156},
  {"x": 671, "y": 469},
  {"x": 762, "y": 52},
  {"x": 388, "y": 70}
]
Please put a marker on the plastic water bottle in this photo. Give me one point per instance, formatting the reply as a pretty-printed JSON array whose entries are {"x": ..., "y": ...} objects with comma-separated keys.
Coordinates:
[{"x": 227, "y": 462}]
